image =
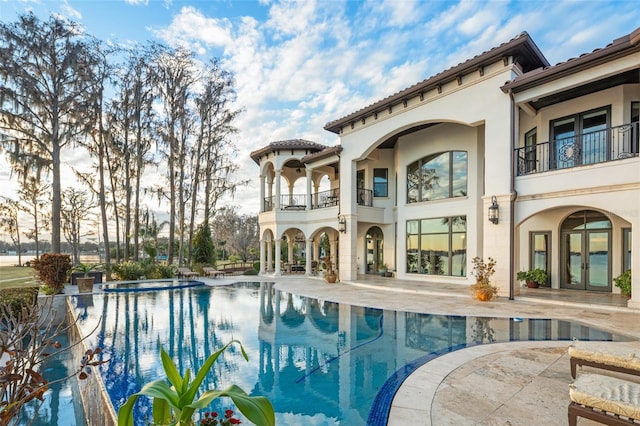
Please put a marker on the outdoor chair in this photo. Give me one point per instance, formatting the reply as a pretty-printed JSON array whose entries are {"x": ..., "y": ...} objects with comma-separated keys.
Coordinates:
[
  {"x": 605, "y": 399},
  {"x": 619, "y": 357},
  {"x": 212, "y": 272},
  {"x": 186, "y": 273}
]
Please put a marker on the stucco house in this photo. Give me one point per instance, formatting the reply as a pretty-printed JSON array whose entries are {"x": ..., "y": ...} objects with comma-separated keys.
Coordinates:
[{"x": 501, "y": 156}]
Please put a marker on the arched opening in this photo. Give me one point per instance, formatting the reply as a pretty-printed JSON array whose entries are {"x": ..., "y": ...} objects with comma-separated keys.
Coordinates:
[
  {"x": 585, "y": 251},
  {"x": 374, "y": 245}
]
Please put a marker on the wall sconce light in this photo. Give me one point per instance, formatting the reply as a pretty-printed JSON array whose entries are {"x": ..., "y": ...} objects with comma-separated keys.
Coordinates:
[
  {"x": 342, "y": 224},
  {"x": 494, "y": 215}
]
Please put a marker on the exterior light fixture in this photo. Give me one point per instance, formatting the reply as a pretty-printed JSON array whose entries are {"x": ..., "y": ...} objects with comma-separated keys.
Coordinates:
[
  {"x": 494, "y": 215},
  {"x": 342, "y": 224}
]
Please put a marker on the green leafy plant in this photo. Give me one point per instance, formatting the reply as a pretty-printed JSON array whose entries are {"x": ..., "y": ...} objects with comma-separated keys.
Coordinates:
[
  {"x": 52, "y": 269},
  {"x": 127, "y": 271},
  {"x": 85, "y": 268},
  {"x": 623, "y": 281},
  {"x": 535, "y": 275},
  {"x": 176, "y": 403}
]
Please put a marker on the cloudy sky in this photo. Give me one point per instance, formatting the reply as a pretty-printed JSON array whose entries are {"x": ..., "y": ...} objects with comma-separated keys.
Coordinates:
[{"x": 301, "y": 64}]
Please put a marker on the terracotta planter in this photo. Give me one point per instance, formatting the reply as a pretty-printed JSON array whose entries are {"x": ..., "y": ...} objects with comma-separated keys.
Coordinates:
[
  {"x": 85, "y": 284},
  {"x": 483, "y": 296},
  {"x": 331, "y": 278},
  {"x": 532, "y": 284}
]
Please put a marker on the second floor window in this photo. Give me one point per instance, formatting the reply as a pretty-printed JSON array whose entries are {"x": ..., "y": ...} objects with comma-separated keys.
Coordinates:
[
  {"x": 380, "y": 182},
  {"x": 437, "y": 176}
]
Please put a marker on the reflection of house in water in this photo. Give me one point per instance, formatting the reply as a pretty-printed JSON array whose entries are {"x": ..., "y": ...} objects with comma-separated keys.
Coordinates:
[{"x": 308, "y": 345}]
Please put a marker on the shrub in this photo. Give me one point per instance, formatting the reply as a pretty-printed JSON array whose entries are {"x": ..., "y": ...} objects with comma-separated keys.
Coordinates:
[
  {"x": 128, "y": 271},
  {"x": 256, "y": 265},
  {"x": 250, "y": 272},
  {"x": 623, "y": 281},
  {"x": 53, "y": 271},
  {"x": 160, "y": 271},
  {"x": 17, "y": 299}
]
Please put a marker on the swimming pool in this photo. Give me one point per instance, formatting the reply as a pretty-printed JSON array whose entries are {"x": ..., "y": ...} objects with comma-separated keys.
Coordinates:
[{"x": 319, "y": 362}]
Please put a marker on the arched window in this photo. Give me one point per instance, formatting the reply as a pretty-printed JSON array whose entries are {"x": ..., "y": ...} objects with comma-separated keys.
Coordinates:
[{"x": 437, "y": 176}]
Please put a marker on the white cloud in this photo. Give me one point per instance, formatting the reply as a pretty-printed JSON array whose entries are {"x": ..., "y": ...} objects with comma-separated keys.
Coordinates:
[
  {"x": 69, "y": 11},
  {"x": 190, "y": 27}
]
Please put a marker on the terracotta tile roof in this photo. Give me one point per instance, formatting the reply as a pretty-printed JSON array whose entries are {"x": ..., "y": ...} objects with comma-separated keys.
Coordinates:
[
  {"x": 522, "y": 47},
  {"x": 327, "y": 152},
  {"x": 295, "y": 144},
  {"x": 619, "y": 47}
]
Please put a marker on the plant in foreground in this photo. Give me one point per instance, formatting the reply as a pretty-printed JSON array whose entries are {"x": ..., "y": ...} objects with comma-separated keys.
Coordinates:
[
  {"x": 212, "y": 419},
  {"x": 176, "y": 403},
  {"x": 482, "y": 289}
]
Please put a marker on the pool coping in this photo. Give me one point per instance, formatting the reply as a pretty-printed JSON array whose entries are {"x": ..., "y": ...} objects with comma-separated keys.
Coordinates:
[{"x": 415, "y": 396}]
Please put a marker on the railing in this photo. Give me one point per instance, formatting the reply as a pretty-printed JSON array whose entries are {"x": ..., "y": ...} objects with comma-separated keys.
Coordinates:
[
  {"x": 325, "y": 199},
  {"x": 293, "y": 202},
  {"x": 268, "y": 204},
  {"x": 614, "y": 143},
  {"x": 365, "y": 197},
  {"x": 298, "y": 202}
]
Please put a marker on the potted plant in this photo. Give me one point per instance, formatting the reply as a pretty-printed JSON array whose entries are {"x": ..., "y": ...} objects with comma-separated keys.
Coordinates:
[
  {"x": 382, "y": 269},
  {"x": 85, "y": 283},
  {"x": 330, "y": 274},
  {"x": 623, "y": 281},
  {"x": 482, "y": 289},
  {"x": 533, "y": 278}
]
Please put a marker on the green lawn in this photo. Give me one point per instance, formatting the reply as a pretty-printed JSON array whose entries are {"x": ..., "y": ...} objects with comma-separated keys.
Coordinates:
[{"x": 16, "y": 276}]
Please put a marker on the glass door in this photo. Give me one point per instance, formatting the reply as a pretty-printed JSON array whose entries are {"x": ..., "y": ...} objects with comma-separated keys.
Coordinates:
[
  {"x": 597, "y": 269},
  {"x": 540, "y": 251},
  {"x": 572, "y": 261},
  {"x": 586, "y": 260}
]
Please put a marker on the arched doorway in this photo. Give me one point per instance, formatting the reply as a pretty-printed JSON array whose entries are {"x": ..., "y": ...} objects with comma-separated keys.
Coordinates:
[
  {"x": 585, "y": 252},
  {"x": 374, "y": 246}
]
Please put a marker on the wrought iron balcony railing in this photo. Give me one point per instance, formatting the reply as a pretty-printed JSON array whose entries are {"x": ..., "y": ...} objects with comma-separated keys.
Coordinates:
[
  {"x": 614, "y": 143},
  {"x": 365, "y": 197}
]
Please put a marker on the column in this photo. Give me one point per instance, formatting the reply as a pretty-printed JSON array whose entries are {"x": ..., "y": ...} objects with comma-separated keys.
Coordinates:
[
  {"x": 309, "y": 205},
  {"x": 263, "y": 266},
  {"x": 277, "y": 200},
  {"x": 262, "y": 202},
  {"x": 269, "y": 255},
  {"x": 308, "y": 257},
  {"x": 278, "y": 243}
]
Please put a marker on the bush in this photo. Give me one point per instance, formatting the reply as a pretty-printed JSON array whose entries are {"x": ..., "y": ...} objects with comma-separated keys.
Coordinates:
[
  {"x": 256, "y": 265},
  {"x": 624, "y": 282},
  {"x": 250, "y": 272},
  {"x": 159, "y": 271},
  {"x": 53, "y": 271},
  {"x": 17, "y": 299},
  {"x": 128, "y": 271}
]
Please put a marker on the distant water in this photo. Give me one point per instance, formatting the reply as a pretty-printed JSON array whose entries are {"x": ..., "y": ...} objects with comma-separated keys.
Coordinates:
[{"x": 12, "y": 260}]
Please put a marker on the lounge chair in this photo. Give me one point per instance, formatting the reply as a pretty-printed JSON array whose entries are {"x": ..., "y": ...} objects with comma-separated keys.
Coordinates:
[
  {"x": 212, "y": 272},
  {"x": 620, "y": 357},
  {"x": 186, "y": 273},
  {"x": 605, "y": 399}
]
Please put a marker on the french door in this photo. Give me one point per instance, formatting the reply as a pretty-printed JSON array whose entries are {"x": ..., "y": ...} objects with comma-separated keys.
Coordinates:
[
  {"x": 586, "y": 260},
  {"x": 585, "y": 255}
]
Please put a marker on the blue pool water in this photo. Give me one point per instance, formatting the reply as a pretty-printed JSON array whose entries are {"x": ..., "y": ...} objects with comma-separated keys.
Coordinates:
[{"x": 318, "y": 362}]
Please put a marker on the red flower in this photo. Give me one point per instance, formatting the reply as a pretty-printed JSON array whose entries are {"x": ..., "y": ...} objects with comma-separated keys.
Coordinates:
[
  {"x": 234, "y": 421},
  {"x": 228, "y": 413}
]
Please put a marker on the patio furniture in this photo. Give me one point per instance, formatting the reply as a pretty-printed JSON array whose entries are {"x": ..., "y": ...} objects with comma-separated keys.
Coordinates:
[
  {"x": 212, "y": 272},
  {"x": 620, "y": 357},
  {"x": 605, "y": 399},
  {"x": 186, "y": 273}
]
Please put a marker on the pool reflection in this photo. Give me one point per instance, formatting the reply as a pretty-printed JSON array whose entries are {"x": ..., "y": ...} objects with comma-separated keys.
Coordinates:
[{"x": 319, "y": 362}]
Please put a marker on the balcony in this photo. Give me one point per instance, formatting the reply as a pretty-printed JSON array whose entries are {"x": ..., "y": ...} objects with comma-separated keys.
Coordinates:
[
  {"x": 298, "y": 202},
  {"x": 319, "y": 200},
  {"x": 611, "y": 144}
]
